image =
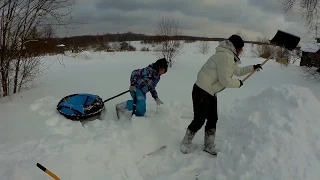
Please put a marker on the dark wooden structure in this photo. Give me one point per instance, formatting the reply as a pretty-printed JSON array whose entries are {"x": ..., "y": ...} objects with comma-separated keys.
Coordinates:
[{"x": 311, "y": 54}]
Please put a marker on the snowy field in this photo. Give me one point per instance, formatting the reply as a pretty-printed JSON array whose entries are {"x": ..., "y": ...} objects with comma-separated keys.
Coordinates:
[{"x": 267, "y": 129}]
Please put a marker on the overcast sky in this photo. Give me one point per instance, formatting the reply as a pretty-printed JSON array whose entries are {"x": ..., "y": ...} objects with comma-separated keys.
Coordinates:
[{"x": 210, "y": 18}]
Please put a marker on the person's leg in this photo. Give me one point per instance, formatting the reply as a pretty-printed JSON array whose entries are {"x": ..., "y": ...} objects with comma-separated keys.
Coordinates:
[
  {"x": 211, "y": 113},
  {"x": 123, "y": 106},
  {"x": 198, "y": 121},
  {"x": 210, "y": 128},
  {"x": 198, "y": 99},
  {"x": 140, "y": 103},
  {"x": 129, "y": 103}
]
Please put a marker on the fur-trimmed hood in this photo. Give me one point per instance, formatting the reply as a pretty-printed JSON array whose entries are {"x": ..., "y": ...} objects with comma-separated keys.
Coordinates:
[{"x": 227, "y": 45}]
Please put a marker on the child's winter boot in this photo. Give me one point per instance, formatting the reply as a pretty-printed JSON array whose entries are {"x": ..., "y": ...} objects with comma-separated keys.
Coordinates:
[{"x": 121, "y": 108}]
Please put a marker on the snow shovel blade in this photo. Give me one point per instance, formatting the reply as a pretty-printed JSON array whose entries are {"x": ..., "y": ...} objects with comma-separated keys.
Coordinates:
[{"x": 285, "y": 40}]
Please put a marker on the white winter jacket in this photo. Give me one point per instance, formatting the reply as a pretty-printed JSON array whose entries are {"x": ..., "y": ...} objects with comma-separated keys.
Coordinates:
[{"x": 216, "y": 74}]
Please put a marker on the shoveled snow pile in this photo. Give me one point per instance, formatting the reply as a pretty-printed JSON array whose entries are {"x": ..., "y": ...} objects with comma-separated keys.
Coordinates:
[{"x": 274, "y": 135}]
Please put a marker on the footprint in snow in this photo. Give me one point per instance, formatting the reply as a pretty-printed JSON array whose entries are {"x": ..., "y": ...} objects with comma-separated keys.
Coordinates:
[
  {"x": 44, "y": 106},
  {"x": 52, "y": 121}
]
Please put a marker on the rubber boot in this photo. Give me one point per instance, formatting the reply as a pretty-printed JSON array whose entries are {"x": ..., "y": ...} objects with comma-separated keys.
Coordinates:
[
  {"x": 121, "y": 108},
  {"x": 209, "y": 145},
  {"x": 186, "y": 145}
]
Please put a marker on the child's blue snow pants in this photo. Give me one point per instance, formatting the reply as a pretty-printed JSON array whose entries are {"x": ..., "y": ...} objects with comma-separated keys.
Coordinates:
[{"x": 141, "y": 102}]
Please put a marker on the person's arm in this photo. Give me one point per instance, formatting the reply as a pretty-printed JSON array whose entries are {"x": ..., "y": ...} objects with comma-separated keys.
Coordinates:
[
  {"x": 152, "y": 87},
  {"x": 241, "y": 71},
  {"x": 134, "y": 76}
]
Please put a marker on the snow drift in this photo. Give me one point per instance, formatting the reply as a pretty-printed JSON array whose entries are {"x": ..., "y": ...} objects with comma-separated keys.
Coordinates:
[{"x": 273, "y": 135}]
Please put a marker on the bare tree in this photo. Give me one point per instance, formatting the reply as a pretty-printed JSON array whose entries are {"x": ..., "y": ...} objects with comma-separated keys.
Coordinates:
[
  {"x": 19, "y": 21},
  {"x": 34, "y": 33},
  {"x": 166, "y": 30},
  {"x": 263, "y": 50},
  {"x": 47, "y": 31},
  {"x": 295, "y": 55},
  {"x": 309, "y": 11},
  {"x": 308, "y": 8},
  {"x": 283, "y": 57},
  {"x": 204, "y": 47}
]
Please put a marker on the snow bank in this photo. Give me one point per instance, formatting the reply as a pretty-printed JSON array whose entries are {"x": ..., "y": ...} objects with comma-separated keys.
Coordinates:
[
  {"x": 273, "y": 135},
  {"x": 95, "y": 150}
]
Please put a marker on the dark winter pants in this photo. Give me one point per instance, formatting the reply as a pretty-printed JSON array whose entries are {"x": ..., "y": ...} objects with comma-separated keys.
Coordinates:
[{"x": 204, "y": 107}]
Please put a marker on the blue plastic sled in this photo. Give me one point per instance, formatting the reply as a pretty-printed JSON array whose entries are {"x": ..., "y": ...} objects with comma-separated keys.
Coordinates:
[{"x": 80, "y": 106}]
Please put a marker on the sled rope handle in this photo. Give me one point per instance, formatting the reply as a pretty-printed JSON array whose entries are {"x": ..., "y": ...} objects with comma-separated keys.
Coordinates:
[
  {"x": 47, "y": 171},
  {"x": 116, "y": 96},
  {"x": 134, "y": 103}
]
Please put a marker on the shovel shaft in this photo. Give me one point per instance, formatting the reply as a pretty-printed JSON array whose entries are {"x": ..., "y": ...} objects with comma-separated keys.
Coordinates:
[{"x": 272, "y": 55}]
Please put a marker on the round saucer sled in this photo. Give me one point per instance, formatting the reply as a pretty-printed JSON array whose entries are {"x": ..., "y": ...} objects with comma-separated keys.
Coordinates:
[{"x": 80, "y": 106}]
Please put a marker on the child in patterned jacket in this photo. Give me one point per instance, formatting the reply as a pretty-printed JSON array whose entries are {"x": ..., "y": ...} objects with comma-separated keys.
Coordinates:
[{"x": 141, "y": 82}]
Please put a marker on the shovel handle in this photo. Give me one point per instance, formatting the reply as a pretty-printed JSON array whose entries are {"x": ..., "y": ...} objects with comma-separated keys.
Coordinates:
[
  {"x": 47, "y": 171},
  {"x": 273, "y": 54}
]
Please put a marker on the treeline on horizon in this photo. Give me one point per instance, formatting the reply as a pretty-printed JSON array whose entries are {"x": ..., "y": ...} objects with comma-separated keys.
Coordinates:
[{"x": 86, "y": 40}]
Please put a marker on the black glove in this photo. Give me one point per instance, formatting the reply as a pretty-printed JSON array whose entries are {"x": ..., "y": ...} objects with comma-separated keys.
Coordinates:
[
  {"x": 257, "y": 66},
  {"x": 241, "y": 83}
]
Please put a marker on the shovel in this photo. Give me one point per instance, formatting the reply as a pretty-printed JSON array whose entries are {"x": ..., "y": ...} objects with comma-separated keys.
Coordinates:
[{"x": 281, "y": 40}]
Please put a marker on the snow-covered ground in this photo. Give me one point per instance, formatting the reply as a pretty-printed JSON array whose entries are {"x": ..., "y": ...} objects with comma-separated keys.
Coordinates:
[{"x": 267, "y": 129}]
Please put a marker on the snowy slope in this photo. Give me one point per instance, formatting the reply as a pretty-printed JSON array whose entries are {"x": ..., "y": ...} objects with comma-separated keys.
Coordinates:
[{"x": 267, "y": 129}]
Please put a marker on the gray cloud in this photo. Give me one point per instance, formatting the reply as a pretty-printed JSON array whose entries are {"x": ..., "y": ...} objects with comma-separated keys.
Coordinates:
[
  {"x": 130, "y": 5},
  {"x": 268, "y": 6},
  {"x": 199, "y": 18}
]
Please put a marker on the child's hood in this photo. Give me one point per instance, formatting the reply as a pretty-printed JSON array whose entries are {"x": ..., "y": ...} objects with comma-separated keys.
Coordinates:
[{"x": 150, "y": 66}]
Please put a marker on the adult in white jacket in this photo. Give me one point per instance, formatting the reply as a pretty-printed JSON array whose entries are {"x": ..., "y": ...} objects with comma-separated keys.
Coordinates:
[{"x": 214, "y": 76}]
